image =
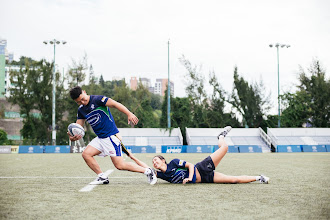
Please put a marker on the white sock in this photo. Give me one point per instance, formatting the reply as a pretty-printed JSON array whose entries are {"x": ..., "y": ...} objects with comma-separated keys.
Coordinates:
[
  {"x": 257, "y": 178},
  {"x": 147, "y": 171},
  {"x": 101, "y": 175}
]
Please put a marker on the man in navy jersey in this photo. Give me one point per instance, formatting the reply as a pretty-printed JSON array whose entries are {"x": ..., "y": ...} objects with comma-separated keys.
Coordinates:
[{"x": 95, "y": 110}]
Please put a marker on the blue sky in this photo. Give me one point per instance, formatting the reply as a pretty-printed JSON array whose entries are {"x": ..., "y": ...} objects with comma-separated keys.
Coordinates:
[{"x": 129, "y": 38}]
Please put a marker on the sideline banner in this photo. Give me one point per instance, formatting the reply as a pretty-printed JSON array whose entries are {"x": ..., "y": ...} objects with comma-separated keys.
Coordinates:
[
  {"x": 77, "y": 149},
  {"x": 29, "y": 149},
  {"x": 232, "y": 149},
  {"x": 314, "y": 148},
  {"x": 14, "y": 149},
  {"x": 200, "y": 148},
  {"x": 288, "y": 148},
  {"x": 174, "y": 148},
  {"x": 249, "y": 148},
  {"x": 57, "y": 149},
  {"x": 5, "y": 149},
  {"x": 141, "y": 149}
]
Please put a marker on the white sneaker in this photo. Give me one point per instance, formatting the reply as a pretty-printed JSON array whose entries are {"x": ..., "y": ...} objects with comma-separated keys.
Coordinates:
[
  {"x": 100, "y": 181},
  {"x": 152, "y": 178},
  {"x": 225, "y": 131},
  {"x": 264, "y": 179}
]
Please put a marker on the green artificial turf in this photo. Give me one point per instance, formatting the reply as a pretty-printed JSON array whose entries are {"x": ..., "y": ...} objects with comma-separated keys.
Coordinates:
[{"x": 46, "y": 186}]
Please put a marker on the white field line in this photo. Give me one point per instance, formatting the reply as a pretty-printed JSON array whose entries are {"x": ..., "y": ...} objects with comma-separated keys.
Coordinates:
[
  {"x": 89, "y": 187},
  {"x": 63, "y": 177}
]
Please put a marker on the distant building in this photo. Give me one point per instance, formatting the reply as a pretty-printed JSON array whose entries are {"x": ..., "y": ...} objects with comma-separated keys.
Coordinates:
[
  {"x": 161, "y": 85},
  {"x": 8, "y": 84},
  {"x": 118, "y": 78},
  {"x": 4, "y": 74},
  {"x": 145, "y": 82},
  {"x": 133, "y": 83}
]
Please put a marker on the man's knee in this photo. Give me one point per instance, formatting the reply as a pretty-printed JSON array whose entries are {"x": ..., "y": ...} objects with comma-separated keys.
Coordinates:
[{"x": 86, "y": 155}]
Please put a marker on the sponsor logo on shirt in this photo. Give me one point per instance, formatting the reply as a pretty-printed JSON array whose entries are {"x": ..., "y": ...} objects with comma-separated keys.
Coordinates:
[
  {"x": 92, "y": 106},
  {"x": 103, "y": 99},
  {"x": 94, "y": 119},
  {"x": 181, "y": 162}
]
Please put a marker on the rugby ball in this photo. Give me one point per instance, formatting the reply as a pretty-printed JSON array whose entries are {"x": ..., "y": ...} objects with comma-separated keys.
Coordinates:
[{"x": 76, "y": 129}]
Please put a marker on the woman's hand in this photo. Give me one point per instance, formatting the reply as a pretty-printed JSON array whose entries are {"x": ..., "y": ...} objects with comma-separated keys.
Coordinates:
[{"x": 186, "y": 180}]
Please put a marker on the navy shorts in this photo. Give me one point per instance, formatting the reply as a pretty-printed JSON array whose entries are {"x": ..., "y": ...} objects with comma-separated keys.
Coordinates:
[{"x": 206, "y": 170}]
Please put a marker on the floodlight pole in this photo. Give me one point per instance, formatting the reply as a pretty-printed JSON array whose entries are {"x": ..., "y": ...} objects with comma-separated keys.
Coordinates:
[
  {"x": 54, "y": 102},
  {"x": 278, "y": 45},
  {"x": 168, "y": 87},
  {"x": 54, "y": 91},
  {"x": 278, "y": 88}
]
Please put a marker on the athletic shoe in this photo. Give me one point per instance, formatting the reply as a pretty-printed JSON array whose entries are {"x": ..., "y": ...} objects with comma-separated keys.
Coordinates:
[
  {"x": 264, "y": 179},
  {"x": 225, "y": 131},
  {"x": 100, "y": 181},
  {"x": 152, "y": 178}
]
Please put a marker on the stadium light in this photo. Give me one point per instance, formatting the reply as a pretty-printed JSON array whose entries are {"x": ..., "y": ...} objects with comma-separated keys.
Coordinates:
[
  {"x": 278, "y": 45},
  {"x": 54, "y": 90},
  {"x": 168, "y": 87}
]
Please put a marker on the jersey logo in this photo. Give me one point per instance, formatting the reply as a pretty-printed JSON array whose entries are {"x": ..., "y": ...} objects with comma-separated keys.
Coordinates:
[
  {"x": 94, "y": 119},
  {"x": 92, "y": 106},
  {"x": 103, "y": 99},
  {"x": 181, "y": 162}
]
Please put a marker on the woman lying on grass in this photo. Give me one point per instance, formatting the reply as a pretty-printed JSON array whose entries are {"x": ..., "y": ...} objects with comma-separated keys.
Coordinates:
[{"x": 180, "y": 171}]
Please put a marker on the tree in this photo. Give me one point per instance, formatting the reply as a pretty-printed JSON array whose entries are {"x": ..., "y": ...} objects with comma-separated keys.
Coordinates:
[
  {"x": 318, "y": 88},
  {"x": 101, "y": 81},
  {"x": 77, "y": 72},
  {"x": 33, "y": 93},
  {"x": 196, "y": 93},
  {"x": 156, "y": 101},
  {"x": 311, "y": 103},
  {"x": 296, "y": 109},
  {"x": 249, "y": 101},
  {"x": 3, "y": 137},
  {"x": 216, "y": 115}
]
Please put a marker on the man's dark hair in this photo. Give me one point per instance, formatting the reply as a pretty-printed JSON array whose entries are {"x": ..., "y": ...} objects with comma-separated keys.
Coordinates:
[{"x": 75, "y": 92}]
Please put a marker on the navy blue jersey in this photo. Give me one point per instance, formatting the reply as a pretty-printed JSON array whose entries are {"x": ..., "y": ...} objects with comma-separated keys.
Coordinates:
[
  {"x": 98, "y": 116},
  {"x": 176, "y": 172}
]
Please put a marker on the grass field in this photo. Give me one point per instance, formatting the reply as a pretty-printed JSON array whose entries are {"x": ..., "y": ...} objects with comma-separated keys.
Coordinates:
[{"x": 46, "y": 186}]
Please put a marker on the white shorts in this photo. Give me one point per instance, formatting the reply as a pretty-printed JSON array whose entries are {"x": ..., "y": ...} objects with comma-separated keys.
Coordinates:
[{"x": 109, "y": 146}]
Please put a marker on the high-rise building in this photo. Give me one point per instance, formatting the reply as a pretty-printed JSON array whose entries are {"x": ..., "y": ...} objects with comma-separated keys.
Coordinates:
[
  {"x": 134, "y": 83},
  {"x": 4, "y": 75},
  {"x": 161, "y": 85},
  {"x": 145, "y": 82},
  {"x": 3, "y": 45}
]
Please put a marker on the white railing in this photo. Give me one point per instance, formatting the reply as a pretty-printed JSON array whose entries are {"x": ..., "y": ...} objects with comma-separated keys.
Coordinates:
[
  {"x": 265, "y": 137},
  {"x": 272, "y": 137}
]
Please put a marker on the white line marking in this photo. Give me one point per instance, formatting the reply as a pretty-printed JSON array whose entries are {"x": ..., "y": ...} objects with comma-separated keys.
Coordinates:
[
  {"x": 44, "y": 177},
  {"x": 63, "y": 177},
  {"x": 89, "y": 188}
]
